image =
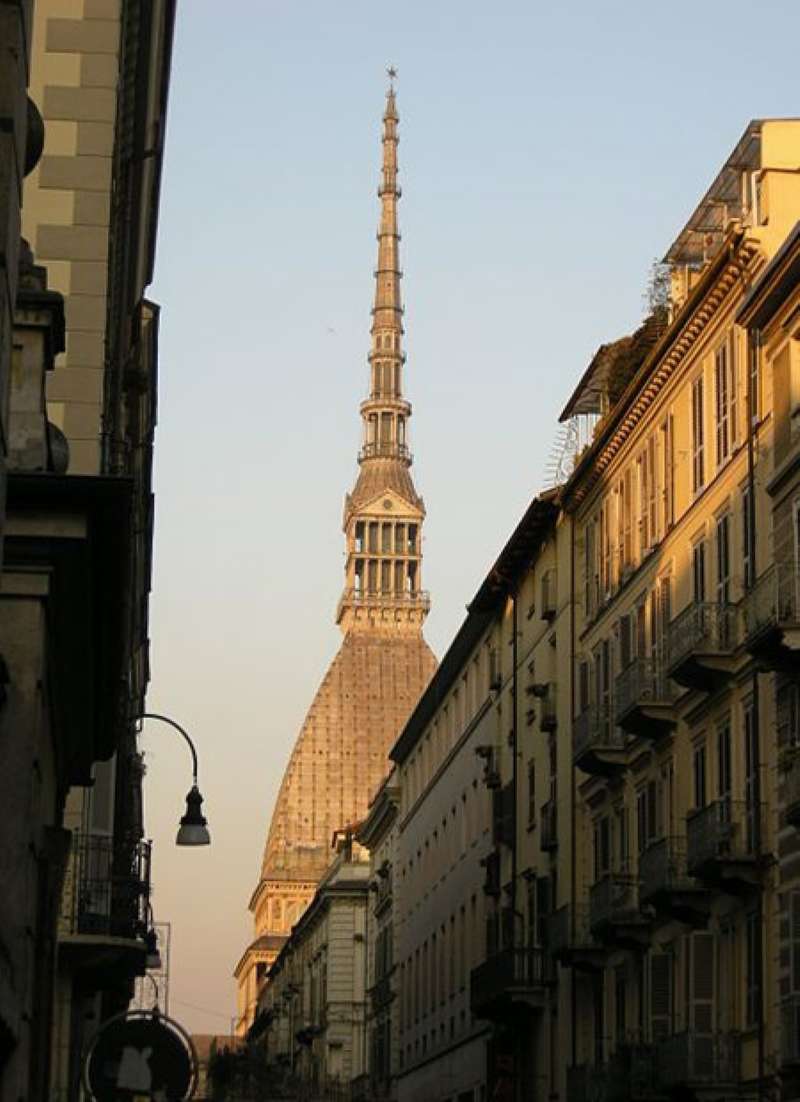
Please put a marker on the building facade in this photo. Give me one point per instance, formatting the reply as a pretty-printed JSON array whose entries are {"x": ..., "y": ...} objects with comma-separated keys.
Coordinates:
[
  {"x": 384, "y": 663},
  {"x": 595, "y": 852}
]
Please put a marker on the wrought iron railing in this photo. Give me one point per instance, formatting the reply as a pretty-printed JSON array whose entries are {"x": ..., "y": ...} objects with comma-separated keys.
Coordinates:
[
  {"x": 613, "y": 897},
  {"x": 662, "y": 867},
  {"x": 385, "y": 451},
  {"x": 725, "y": 829},
  {"x": 642, "y": 682},
  {"x": 593, "y": 729},
  {"x": 774, "y": 600},
  {"x": 106, "y": 888},
  {"x": 568, "y": 928},
  {"x": 702, "y": 627},
  {"x": 507, "y": 971},
  {"x": 692, "y": 1057}
]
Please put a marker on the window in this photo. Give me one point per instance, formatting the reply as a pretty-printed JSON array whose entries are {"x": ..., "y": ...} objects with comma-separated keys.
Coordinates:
[
  {"x": 648, "y": 514},
  {"x": 588, "y": 569},
  {"x": 752, "y": 977},
  {"x": 755, "y": 380},
  {"x": 622, "y": 838},
  {"x": 647, "y": 817},
  {"x": 751, "y": 764},
  {"x": 723, "y": 560},
  {"x": 602, "y": 847},
  {"x": 625, "y": 522},
  {"x": 667, "y": 474},
  {"x": 699, "y": 572},
  {"x": 698, "y": 435},
  {"x": 620, "y": 1000},
  {"x": 748, "y": 574},
  {"x": 725, "y": 392},
  {"x": 531, "y": 793},
  {"x": 724, "y": 769},
  {"x": 699, "y": 775}
]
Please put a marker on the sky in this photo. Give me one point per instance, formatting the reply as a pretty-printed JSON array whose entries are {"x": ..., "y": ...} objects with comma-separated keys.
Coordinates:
[{"x": 549, "y": 154}]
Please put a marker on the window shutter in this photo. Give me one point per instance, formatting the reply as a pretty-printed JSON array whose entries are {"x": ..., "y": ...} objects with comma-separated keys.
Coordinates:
[
  {"x": 660, "y": 995},
  {"x": 794, "y": 903},
  {"x": 702, "y": 977},
  {"x": 542, "y": 907}
]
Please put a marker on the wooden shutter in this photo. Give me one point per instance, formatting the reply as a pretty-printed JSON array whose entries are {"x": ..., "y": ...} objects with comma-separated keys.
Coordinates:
[
  {"x": 660, "y": 995},
  {"x": 794, "y": 917},
  {"x": 702, "y": 983}
]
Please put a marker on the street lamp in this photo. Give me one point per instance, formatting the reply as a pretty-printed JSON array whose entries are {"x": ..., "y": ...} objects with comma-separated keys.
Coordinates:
[{"x": 193, "y": 830}]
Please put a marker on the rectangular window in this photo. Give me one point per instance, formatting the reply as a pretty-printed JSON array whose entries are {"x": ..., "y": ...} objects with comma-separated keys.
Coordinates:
[
  {"x": 622, "y": 838},
  {"x": 725, "y": 395},
  {"x": 620, "y": 1000},
  {"x": 755, "y": 380},
  {"x": 751, "y": 760},
  {"x": 531, "y": 793},
  {"x": 667, "y": 474},
  {"x": 602, "y": 847},
  {"x": 698, "y": 435},
  {"x": 723, "y": 560},
  {"x": 699, "y": 572},
  {"x": 625, "y": 642},
  {"x": 752, "y": 977},
  {"x": 588, "y": 569},
  {"x": 724, "y": 769},
  {"x": 699, "y": 775},
  {"x": 648, "y": 515},
  {"x": 748, "y": 575}
]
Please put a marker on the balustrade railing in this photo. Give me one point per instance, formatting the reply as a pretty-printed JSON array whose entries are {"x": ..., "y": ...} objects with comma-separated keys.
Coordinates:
[
  {"x": 642, "y": 682},
  {"x": 593, "y": 729},
  {"x": 702, "y": 627},
  {"x": 724, "y": 829},
  {"x": 106, "y": 888},
  {"x": 613, "y": 897},
  {"x": 662, "y": 867},
  {"x": 692, "y": 1057},
  {"x": 774, "y": 600}
]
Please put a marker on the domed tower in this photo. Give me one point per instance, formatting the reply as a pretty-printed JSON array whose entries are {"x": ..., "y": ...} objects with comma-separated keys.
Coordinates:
[{"x": 384, "y": 663}]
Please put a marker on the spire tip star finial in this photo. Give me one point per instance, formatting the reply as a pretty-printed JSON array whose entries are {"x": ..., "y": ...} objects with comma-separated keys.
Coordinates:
[{"x": 391, "y": 72}]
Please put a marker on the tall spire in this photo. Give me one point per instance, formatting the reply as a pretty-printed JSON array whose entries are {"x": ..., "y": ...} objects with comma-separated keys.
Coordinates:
[{"x": 384, "y": 555}]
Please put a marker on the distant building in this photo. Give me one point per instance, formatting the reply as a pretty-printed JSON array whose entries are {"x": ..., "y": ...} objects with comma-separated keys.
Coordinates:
[{"x": 384, "y": 663}]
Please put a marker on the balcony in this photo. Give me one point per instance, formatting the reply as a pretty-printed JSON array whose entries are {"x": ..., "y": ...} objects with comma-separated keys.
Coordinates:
[
  {"x": 790, "y": 1033},
  {"x": 598, "y": 747},
  {"x": 791, "y": 790},
  {"x": 614, "y": 915},
  {"x": 104, "y": 904},
  {"x": 772, "y": 618},
  {"x": 722, "y": 845},
  {"x": 628, "y": 1075},
  {"x": 417, "y": 600},
  {"x": 644, "y": 698},
  {"x": 510, "y": 984},
  {"x": 702, "y": 640},
  {"x": 385, "y": 450},
  {"x": 695, "y": 1061},
  {"x": 570, "y": 941},
  {"x": 548, "y": 827},
  {"x": 665, "y": 884}
]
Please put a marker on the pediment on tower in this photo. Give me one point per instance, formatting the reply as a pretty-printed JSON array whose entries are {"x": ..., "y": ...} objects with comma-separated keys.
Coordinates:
[{"x": 384, "y": 494}]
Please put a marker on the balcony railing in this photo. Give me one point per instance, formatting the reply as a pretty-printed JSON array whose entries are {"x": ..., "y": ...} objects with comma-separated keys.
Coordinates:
[
  {"x": 790, "y": 1030},
  {"x": 723, "y": 831},
  {"x": 662, "y": 868},
  {"x": 593, "y": 730},
  {"x": 548, "y": 826},
  {"x": 106, "y": 888},
  {"x": 569, "y": 934},
  {"x": 774, "y": 600},
  {"x": 642, "y": 683},
  {"x": 702, "y": 629},
  {"x": 515, "y": 975},
  {"x": 696, "y": 1058},
  {"x": 385, "y": 451},
  {"x": 612, "y": 899}
]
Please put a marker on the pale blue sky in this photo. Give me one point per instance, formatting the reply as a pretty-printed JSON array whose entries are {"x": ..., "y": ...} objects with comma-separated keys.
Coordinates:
[{"x": 548, "y": 154}]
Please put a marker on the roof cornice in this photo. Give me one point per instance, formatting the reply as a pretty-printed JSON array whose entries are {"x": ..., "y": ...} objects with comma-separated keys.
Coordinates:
[{"x": 740, "y": 256}]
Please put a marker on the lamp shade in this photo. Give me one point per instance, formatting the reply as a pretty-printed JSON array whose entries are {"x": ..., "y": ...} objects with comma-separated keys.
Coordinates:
[{"x": 193, "y": 830}]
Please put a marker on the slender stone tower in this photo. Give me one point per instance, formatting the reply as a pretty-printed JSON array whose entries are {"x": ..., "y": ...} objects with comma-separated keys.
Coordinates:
[{"x": 384, "y": 663}]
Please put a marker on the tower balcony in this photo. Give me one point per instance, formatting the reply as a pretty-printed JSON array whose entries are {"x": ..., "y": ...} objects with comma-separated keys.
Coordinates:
[
  {"x": 598, "y": 747},
  {"x": 413, "y": 600},
  {"x": 614, "y": 915},
  {"x": 722, "y": 841},
  {"x": 570, "y": 940},
  {"x": 772, "y": 618},
  {"x": 704, "y": 1063},
  {"x": 644, "y": 699},
  {"x": 702, "y": 641},
  {"x": 386, "y": 451},
  {"x": 665, "y": 883},
  {"x": 509, "y": 985}
]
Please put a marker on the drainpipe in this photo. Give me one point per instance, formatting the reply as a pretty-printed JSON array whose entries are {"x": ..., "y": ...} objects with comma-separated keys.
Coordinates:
[
  {"x": 754, "y": 349},
  {"x": 514, "y": 740}
]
